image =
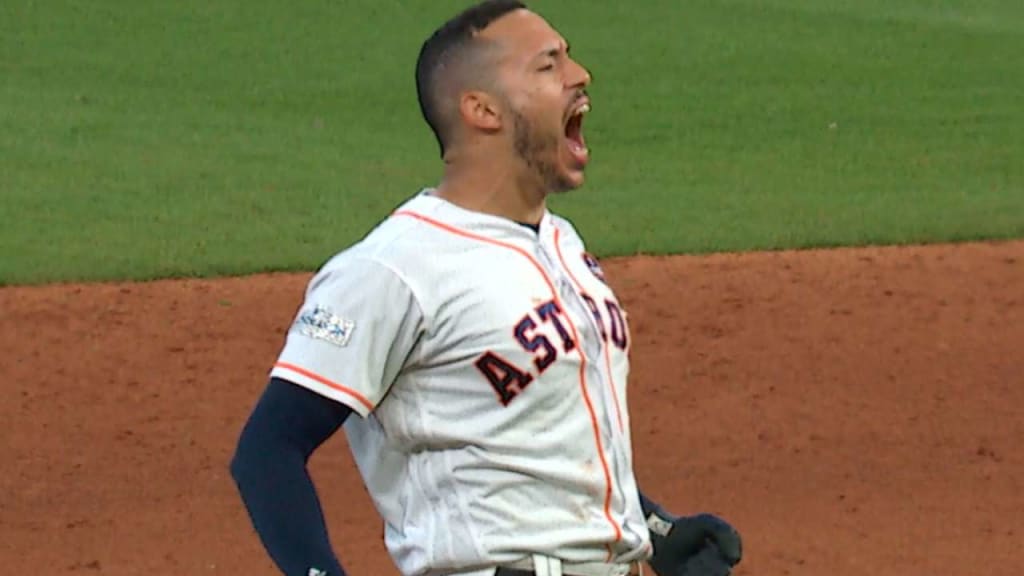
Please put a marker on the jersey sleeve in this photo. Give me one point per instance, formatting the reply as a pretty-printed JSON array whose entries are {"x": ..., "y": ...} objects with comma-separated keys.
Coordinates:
[{"x": 350, "y": 338}]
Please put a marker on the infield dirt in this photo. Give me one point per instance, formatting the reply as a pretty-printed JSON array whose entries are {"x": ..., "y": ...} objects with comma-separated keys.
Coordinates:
[{"x": 855, "y": 411}]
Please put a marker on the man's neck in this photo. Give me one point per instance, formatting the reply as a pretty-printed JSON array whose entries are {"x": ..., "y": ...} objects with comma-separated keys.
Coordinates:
[{"x": 492, "y": 191}]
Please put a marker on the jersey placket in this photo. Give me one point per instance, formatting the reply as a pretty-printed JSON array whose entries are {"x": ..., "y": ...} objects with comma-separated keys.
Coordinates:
[{"x": 598, "y": 383}]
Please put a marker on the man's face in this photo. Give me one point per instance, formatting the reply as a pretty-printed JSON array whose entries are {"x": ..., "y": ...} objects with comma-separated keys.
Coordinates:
[{"x": 544, "y": 92}]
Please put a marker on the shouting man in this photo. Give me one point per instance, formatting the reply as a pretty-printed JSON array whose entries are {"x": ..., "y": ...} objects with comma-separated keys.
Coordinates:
[{"x": 473, "y": 352}]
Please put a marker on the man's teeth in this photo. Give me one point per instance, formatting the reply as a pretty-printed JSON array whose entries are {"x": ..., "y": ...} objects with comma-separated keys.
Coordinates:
[{"x": 581, "y": 110}]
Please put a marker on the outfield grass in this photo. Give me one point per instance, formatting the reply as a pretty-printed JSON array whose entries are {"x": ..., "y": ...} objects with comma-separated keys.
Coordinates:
[{"x": 141, "y": 139}]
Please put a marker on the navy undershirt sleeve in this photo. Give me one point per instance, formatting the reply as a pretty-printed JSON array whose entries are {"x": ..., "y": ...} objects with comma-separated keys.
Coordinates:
[{"x": 269, "y": 468}]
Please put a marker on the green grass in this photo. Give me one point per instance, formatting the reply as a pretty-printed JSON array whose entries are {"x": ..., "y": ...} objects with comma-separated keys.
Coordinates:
[{"x": 140, "y": 139}]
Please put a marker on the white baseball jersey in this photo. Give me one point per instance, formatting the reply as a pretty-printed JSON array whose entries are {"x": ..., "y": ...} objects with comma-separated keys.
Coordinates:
[{"x": 489, "y": 364}]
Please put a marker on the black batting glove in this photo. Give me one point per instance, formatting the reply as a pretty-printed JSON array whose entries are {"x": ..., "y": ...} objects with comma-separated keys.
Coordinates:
[{"x": 700, "y": 545}]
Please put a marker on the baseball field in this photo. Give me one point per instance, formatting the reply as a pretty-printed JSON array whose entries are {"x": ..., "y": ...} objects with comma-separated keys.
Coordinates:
[{"x": 812, "y": 209}]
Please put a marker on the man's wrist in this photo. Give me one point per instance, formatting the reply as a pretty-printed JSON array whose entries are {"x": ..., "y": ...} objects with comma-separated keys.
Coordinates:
[{"x": 658, "y": 520}]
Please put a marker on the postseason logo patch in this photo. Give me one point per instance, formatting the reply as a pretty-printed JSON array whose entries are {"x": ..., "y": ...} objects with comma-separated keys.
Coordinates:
[
  {"x": 594, "y": 267},
  {"x": 321, "y": 323}
]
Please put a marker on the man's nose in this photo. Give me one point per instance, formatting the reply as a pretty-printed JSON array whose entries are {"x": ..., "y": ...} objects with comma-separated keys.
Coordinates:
[{"x": 579, "y": 77}]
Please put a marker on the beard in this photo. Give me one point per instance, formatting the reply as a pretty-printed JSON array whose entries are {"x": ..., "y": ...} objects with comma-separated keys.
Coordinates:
[{"x": 539, "y": 153}]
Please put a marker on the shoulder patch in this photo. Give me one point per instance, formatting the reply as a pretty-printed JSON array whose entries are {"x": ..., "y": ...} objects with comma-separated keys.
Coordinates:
[{"x": 321, "y": 323}]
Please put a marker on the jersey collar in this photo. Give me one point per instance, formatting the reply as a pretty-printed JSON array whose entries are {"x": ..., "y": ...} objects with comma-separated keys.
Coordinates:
[{"x": 499, "y": 227}]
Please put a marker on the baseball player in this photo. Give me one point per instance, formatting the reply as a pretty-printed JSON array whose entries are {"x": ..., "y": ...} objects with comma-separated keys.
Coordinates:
[{"x": 473, "y": 352}]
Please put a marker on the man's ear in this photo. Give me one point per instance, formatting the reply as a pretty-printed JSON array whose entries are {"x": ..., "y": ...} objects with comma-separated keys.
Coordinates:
[{"x": 480, "y": 111}]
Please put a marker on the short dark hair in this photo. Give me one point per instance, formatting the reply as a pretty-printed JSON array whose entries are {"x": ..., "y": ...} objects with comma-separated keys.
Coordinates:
[{"x": 445, "y": 50}]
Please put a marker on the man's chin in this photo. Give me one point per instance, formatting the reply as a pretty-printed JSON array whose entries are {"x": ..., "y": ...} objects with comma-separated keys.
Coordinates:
[
  {"x": 566, "y": 176},
  {"x": 567, "y": 184},
  {"x": 572, "y": 179},
  {"x": 572, "y": 172}
]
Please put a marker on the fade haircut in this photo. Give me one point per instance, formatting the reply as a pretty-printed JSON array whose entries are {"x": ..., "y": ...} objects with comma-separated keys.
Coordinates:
[{"x": 449, "y": 63}]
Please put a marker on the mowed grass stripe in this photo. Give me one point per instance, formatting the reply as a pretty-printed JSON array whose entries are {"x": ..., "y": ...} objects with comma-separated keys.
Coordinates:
[{"x": 140, "y": 141}]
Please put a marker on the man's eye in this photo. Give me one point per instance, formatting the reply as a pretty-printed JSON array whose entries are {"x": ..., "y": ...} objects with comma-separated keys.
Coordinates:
[{"x": 546, "y": 67}]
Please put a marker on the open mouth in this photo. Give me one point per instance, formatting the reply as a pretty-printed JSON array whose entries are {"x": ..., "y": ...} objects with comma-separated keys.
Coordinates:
[{"x": 574, "y": 131}]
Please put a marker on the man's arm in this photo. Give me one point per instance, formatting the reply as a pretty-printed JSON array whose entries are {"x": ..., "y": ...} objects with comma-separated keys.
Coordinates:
[{"x": 269, "y": 467}]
